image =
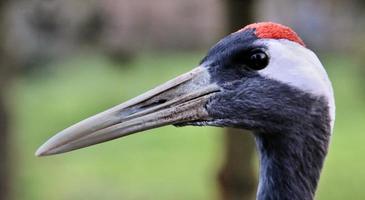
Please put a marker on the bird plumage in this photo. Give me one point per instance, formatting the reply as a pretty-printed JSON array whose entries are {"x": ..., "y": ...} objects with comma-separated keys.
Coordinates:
[
  {"x": 289, "y": 105},
  {"x": 261, "y": 78}
]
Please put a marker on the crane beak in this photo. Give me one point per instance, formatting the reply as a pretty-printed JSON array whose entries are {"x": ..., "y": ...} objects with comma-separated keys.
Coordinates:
[{"x": 179, "y": 100}]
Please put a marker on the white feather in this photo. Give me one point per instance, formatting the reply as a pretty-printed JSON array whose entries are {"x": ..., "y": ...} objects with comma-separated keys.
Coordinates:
[{"x": 297, "y": 66}]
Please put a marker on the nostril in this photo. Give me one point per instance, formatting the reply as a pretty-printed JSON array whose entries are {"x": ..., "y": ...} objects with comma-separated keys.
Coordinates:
[
  {"x": 135, "y": 109},
  {"x": 155, "y": 103}
]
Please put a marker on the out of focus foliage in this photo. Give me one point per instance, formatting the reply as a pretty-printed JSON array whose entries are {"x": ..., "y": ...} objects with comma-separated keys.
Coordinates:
[
  {"x": 166, "y": 163},
  {"x": 61, "y": 87}
]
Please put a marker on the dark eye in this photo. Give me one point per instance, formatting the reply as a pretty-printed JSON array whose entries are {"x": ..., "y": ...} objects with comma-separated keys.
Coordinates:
[{"x": 258, "y": 60}]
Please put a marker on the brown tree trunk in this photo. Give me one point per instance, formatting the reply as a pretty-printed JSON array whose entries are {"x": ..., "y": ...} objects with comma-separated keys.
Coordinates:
[
  {"x": 237, "y": 177},
  {"x": 4, "y": 129},
  {"x": 4, "y": 164},
  {"x": 239, "y": 14}
]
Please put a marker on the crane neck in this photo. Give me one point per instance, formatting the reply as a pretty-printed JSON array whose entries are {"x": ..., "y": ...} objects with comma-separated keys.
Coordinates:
[{"x": 291, "y": 161}]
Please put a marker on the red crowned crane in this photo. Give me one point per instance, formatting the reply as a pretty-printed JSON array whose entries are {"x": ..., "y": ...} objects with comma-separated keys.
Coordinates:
[{"x": 261, "y": 78}]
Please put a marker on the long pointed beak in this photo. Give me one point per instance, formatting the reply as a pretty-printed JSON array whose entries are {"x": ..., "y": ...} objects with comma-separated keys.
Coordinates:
[{"x": 179, "y": 100}]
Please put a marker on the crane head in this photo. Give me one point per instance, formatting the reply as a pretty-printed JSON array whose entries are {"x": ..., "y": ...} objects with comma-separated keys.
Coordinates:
[{"x": 260, "y": 78}]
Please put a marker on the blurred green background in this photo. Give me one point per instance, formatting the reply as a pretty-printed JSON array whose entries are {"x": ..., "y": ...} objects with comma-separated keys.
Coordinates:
[
  {"x": 67, "y": 61},
  {"x": 165, "y": 163}
]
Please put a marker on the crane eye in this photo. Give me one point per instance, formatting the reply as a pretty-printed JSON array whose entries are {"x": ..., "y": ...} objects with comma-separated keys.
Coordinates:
[{"x": 258, "y": 60}]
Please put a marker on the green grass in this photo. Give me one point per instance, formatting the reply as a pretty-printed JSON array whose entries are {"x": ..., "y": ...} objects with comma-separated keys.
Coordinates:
[
  {"x": 344, "y": 175},
  {"x": 166, "y": 163}
]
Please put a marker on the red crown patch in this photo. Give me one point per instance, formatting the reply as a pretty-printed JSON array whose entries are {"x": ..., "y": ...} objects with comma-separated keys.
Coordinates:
[{"x": 274, "y": 31}]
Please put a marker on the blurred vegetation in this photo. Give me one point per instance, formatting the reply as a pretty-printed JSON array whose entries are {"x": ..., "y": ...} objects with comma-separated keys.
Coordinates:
[
  {"x": 236, "y": 176},
  {"x": 166, "y": 163}
]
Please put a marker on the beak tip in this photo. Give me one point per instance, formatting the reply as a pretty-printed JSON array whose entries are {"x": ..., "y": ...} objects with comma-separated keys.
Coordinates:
[
  {"x": 41, "y": 151},
  {"x": 51, "y": 147},
  {"x": 44, "y": 150},
  {"x": 38, "y": 154}
]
